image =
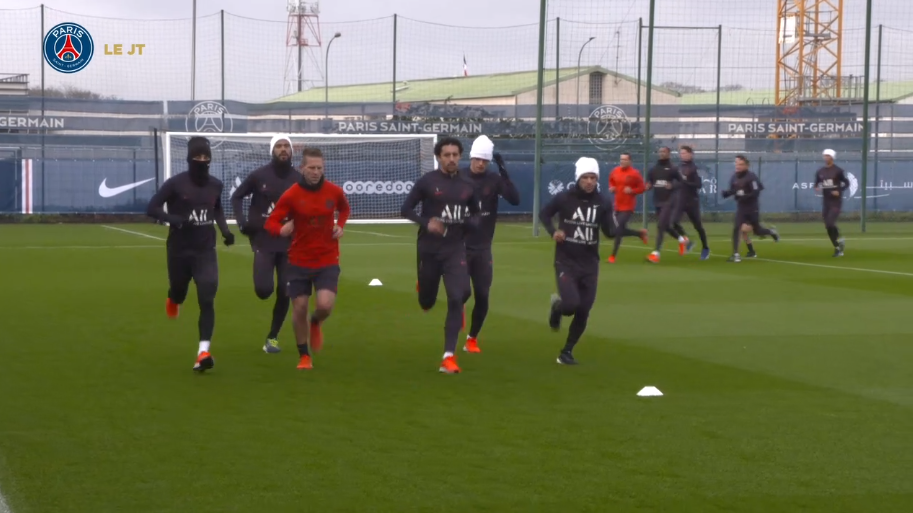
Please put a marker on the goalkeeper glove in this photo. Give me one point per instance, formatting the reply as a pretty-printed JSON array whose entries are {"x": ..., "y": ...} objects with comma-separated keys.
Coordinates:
[
  {"x": 228, "y": 238},
  {"x": 499, "y": 160}
]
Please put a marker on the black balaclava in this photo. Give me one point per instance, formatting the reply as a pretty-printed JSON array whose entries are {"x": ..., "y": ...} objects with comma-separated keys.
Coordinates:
[
  {"x": 199, "y": 171},
  {"x": 283, "y": 168},
  {"x": 311, "y": 187}
]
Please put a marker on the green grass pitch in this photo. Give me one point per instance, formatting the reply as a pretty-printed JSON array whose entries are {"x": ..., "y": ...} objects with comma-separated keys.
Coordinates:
[{"x": 787, "y": 382}]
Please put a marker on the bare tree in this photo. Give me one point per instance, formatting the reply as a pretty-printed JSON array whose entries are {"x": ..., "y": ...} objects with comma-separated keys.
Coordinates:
[{"x": 70, "y": 92}]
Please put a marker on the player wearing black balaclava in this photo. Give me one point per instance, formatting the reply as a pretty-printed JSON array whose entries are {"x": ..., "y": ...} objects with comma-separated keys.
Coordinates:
[{"x": 194, "y": 204}]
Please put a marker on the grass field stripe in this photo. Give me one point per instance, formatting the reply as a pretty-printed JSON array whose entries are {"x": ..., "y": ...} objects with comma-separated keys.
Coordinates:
[{"x": 124, "y": 230}]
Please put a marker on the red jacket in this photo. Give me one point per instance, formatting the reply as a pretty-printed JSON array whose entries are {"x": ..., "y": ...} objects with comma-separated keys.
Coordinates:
[
  {"x": 313, "y": 245},
  {"x": 621, "y": 178}
]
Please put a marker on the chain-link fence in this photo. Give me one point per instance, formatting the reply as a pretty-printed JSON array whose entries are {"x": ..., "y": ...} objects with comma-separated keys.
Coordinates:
[{"x": 778, "y": 81}]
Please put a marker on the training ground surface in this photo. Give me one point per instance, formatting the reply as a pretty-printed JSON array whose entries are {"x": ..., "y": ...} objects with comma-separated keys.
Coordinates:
[{"x": 787, "y": 382}]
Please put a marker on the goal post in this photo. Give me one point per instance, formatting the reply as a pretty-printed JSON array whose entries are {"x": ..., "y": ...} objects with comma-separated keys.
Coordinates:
[{"x": 376, "y": 171}]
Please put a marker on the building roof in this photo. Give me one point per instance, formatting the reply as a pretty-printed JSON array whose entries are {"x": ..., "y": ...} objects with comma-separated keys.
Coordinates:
[
  {"x": 890, "y": 92},
  {"x": 456, "y": 88}
]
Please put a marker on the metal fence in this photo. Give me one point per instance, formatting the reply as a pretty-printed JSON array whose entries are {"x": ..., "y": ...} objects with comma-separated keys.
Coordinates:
[{"x": 705, "y": 77}]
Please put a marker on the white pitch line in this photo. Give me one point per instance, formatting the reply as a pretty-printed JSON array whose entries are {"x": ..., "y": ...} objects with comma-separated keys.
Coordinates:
[
  {"x": 821, "y": 239},
  {"x": 141, "y": 234},
  {"x": 4, "y": 506},
  {"x": 840, "y": 267},
  {"x": 376, "y": 234},
  {"x": 806, "y": 264},
  {"x": 82, "y": 247}
]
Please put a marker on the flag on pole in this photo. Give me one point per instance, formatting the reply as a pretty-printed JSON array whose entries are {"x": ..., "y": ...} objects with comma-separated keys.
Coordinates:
[{"x": 465, "y": 67}]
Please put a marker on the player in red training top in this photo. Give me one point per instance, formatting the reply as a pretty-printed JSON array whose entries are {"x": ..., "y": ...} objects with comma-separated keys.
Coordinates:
[
  {"x": 626, "y": 183},
  {"x": 313, "y": 255}
]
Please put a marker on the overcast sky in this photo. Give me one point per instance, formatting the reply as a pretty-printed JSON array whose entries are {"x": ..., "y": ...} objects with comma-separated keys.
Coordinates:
[{"x": 259, "y": 65}]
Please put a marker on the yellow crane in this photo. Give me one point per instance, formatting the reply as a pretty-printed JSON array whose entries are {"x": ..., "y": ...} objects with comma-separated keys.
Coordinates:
[{"x": 809, "y": 55}]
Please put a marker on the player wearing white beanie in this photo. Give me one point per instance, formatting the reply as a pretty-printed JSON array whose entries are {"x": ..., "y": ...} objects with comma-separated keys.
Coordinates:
[
  {"x": 265, "y": 186},
  {"x": 830, "y": 182},
  {"x": 581, "y": 212},
  {"x": 489, "y": 187},
  {"x": 584, "y": 166},
  {"x": 482, "y": 148}
]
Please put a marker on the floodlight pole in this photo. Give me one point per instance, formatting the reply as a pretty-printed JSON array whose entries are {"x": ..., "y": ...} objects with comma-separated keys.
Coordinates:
[
  {"x": 866, "y": 129},
  {"x": 579, "y": 55},
  {"x": 537, "y": 165},
  {"x": 326, "y": 76},
  {"x": 648, "y": 110},
  {"x": 193, "y": 54}
]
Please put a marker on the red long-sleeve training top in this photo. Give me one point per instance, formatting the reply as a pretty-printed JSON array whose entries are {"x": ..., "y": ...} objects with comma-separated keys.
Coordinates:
[
  {"x": 313, "y": 212},
  {"x": 626, "y": 177}
]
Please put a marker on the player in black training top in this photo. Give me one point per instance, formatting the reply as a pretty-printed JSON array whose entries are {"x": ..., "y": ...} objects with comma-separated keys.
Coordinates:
[
  {"x": 831, "y": 181},
  {"x": 581, "y": 212},
  {"x": 746, "y": 187},
  {"x": 665, "y": 180},
  {"x": 450, "y": 207},
  {"x": 489, "y": 187},
  {"x": 265, "y": 185},
  {"x": 194, "y": 202},
  {"x": 689, "y": 203}
]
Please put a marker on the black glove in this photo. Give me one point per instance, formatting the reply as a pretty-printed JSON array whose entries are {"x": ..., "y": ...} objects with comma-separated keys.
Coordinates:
[
  {"x": 175, "y": 221},
  {"x": 499, "y": 160},
  {"x": 248, "y": 229},
  {"x": 228, "y": 238},
  {"x": 726, "y": 194}
]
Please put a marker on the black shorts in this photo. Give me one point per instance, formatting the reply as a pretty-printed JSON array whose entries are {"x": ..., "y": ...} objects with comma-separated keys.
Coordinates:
[
  {"x": 199, "y": 266},
  {"x": 577, "y": 285},
  {"x": 621, "y": 218},
  {"x": 748, "y": 216},
  {"x": 303, "y": 281},
  {"x": 665, "y": 213},
  {"x": 687, "y": 207},
  {"x": 830, "y": 213}
]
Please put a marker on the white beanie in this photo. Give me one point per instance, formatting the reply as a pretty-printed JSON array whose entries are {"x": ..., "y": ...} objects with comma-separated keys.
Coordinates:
[
  {"x": 830, "y": 153},
  {"x": 586, "y": 165},
  {"x": 482, "y": 148},
  {"x": 276, "y": 138}
]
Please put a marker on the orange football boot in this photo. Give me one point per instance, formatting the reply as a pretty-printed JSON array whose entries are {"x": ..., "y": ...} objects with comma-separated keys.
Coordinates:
[
  {"x": 472, "y": 345},
  {"x": 643, "y": 237},
  {"x": 305, "y": 363},
  {"x": 172, "y": 309},
  {"x": 449, "y": 366},
  {"x": 653, "y": 257},
  {"x": 611, "y": 259},
  {"x": 204, "y": 362}
]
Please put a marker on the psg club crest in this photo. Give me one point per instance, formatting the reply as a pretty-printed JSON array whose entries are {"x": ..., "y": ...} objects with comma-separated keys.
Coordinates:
[
  {"x": 68, "y": 47},
  {"x": 209, "y": 117},
  {"x": 607, "y": 127}
]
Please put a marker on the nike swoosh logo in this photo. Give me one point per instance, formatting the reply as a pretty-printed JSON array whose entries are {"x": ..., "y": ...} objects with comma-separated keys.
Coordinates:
[{"x": 107, "y": 192}]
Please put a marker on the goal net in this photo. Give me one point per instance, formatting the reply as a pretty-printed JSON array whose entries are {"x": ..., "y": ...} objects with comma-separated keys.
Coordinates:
[{"x": 375, "y": 171}]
